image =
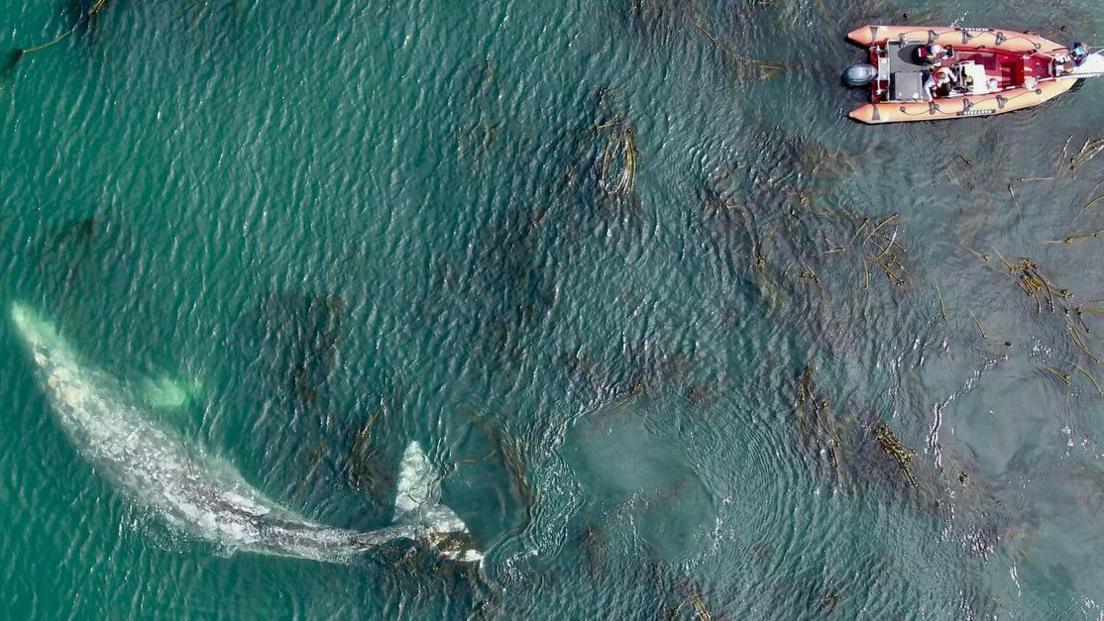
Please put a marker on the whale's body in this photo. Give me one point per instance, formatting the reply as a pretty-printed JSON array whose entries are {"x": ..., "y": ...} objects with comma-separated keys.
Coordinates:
[{"x": 202, "y": 494}]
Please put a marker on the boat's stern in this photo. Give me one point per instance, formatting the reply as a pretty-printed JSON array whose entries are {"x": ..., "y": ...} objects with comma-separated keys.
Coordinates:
[{"x": 867, "y": 113}]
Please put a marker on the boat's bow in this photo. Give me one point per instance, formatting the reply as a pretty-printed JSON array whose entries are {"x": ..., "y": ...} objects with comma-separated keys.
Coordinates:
[{"x": 1091, "y": 67}]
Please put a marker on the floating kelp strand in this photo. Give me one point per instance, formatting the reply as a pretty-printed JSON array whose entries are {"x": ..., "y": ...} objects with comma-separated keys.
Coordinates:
[
  {"x": 89, "y": 17},
  {"x": 618, "y": 157},
  {"x": 980, "y": 331},
  {"x": 807, "y": 273},
  {"x": 1091, "y": 202},
  {"x": 1073, "y": 239},
  {"x": 1091, "y": 378},
  {"x": 762, "y": 70},
  {"x": 829, "y": 603},
  {"x": 833, "y": 247},
  {"x": 1078, "y": 338},
  {"x": 660, "y": 19},
  {"x": 889, "y": 219},
  {"x": 984, "y": 258},
  {"x": 1062, "y": 155},
  {"x": 1015, "y": 201},
  {"x": 887, "y": 251},
  {"x": 1061, "y": 376}
]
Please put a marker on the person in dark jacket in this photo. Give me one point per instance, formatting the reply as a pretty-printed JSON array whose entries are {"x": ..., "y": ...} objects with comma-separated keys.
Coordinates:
[{"x": 932, "y": 55}]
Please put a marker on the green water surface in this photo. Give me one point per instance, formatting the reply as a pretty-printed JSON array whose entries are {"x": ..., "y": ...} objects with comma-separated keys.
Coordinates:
[{"x": 310, "y": 232}]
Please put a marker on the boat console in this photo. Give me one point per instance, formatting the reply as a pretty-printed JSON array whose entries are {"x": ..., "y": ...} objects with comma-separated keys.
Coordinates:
[{"x": 972, "y": 79}]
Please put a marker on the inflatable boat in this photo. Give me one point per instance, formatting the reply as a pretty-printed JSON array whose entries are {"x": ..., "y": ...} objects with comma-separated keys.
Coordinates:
[{"x": 920, "y": 73}]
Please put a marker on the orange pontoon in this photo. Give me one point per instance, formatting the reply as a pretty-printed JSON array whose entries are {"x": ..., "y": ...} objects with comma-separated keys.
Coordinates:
[{"x": 989, "y": 71}]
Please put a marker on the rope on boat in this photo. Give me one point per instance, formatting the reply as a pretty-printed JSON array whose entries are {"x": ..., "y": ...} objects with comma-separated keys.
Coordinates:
[
  {"x": 1000, "y": 37},
  {"x": 967, "y": 103}
]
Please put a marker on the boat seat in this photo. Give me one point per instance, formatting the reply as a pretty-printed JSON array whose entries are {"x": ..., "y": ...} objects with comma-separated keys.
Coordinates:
[
  {"x": 908, "y": 86},
  {"x": 902, "y": 57}
]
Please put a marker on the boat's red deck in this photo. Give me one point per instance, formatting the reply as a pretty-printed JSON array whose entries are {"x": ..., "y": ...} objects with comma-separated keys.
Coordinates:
[{"x": 1009, "y": 69}]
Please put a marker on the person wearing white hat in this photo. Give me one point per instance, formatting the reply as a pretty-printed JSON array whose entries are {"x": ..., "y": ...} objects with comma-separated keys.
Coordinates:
[{"x": 939, "y": 82}]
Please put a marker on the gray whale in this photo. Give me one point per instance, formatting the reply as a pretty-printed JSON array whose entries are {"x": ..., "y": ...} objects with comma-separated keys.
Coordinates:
[{"x": 201, "y": 494}]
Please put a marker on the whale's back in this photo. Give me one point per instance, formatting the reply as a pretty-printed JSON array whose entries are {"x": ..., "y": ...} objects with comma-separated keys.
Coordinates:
[{"x": 199, "y": 493}]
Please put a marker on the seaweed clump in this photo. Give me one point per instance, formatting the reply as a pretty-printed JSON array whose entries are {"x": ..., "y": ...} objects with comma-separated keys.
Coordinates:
[
  {"x": 364, "y": 469},
  {"x": 617, "y": 156},
  {"x": 317, "y": 354},
  {"x": 696, "y": 606},
  {"x": 641, "y": 369},
  {"x": 893, "y": 447},
  {"x": 618, "y": 169},
  {"x": 827, "y": 436},
  {"x": 295, "y": 339},
  {"x": 817, "y": 427},
  {"x": 1047, "y": 294},
  {"x": 800, "y": 245},
  {"x": 504, "y": 449},
  {"x": 882, "y": 248}
]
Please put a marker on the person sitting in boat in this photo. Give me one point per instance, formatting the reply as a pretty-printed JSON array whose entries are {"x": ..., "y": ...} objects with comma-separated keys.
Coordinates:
[
  {"x": 939, "y": 82},
  {"x": 1078, "y": 53},
  {"x": 932, "y": 55},
  {"x": 1066, "y": 62}
]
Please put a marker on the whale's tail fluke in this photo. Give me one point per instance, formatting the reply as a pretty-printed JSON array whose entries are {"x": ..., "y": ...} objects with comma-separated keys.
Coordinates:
[{"x": 417, "y": 502}]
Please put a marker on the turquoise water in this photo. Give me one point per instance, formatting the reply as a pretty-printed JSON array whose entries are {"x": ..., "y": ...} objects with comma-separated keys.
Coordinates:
[{"x": 309, "y": 233}]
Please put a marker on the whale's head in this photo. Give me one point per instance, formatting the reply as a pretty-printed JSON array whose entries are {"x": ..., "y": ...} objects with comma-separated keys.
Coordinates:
[
  {"x": 35, "y": 331},
  {"x": 47, "y": 347}
]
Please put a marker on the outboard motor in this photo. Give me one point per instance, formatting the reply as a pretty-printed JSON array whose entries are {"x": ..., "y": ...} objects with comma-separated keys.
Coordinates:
[{"x": 859, "y": 75}]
